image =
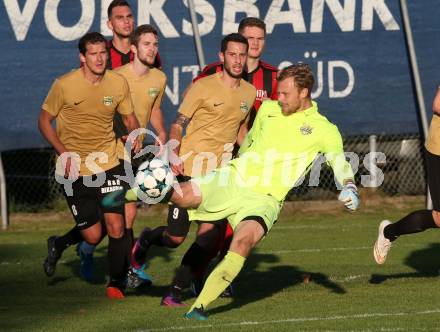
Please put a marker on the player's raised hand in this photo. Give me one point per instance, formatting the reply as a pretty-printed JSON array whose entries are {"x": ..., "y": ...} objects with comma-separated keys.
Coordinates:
[{"x": 349, "y": 196}]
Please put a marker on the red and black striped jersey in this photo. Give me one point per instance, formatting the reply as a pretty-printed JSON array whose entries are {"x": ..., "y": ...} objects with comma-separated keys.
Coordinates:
[
  {"x": 263, "y": 78},
  {"x": 116, "y": 58}
]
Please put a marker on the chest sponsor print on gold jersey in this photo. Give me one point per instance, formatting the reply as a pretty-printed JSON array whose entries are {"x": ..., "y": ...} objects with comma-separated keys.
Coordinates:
[
  {"x": 153, "y": 92},
  {"x": 107, "y": 100},
  {"x": 244, "y": 107}
]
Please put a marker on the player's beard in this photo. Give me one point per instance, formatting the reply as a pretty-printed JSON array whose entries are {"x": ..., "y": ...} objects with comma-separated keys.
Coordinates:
[
  {"x": 230, "y": 73},
  {"x": 122, "y": 35},
  {"x": 145, "y": 62}
]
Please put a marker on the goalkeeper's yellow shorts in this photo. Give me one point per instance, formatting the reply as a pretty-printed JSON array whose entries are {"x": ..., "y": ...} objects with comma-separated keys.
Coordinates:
[{"x": 224, "y": 197}]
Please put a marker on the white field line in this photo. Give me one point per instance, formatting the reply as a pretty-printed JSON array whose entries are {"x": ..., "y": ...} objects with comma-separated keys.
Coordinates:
[
  {"x": 295, "y": 320},
  {"x": 316, "y": 250}
]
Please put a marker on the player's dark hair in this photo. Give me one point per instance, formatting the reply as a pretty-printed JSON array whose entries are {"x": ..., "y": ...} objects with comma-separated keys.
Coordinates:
[
  {"x": 302, "y": 75},
  {"x": 251, "y": 22},
  {"x": 90, "y": 38},
  {"x": 233, "y": 37},
  {"x": 139, "y": 31},
  {"x": 116, "y": 3}
]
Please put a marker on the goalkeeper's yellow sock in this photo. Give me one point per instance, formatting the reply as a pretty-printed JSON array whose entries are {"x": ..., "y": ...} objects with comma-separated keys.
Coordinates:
[{"x": 219, "y": 279}]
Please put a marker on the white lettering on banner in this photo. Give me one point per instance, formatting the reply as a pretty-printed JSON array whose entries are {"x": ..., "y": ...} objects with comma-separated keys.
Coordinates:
[
  {"x": 293, "y": 16},
  {"x": 384, "y": 14},
  {"x": 205, "y": 9},
  {"x": 319, "y": 76},
  {"x": 104, "y": 18},
  {"x": 153, "y": 8},
  {"x": 21, "y": 21},
  {"x": 174, "y": 94},
  {"x": 194, "y": 69},
  {"x": 62, "y": 32},
  {"x": 230, "y": 10},
  {"x": 331, "y": 82},
  {"x": 344, "y": 16}
]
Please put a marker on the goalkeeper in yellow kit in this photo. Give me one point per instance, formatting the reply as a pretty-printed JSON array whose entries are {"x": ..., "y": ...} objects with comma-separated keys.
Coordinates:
[{"x": 286, "y": 137}]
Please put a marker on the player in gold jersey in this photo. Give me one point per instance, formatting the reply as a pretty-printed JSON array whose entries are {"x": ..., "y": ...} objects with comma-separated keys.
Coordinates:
[
  {"x": 147, "y": 86},
  {"x": 83, "y": 103},
  {"x": 213, "y": 112}
]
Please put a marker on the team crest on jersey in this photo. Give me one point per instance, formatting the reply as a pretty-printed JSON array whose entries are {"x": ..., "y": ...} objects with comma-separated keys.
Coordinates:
[
  {"x": 244, "y": 107},
  {"x": 306, "y": 129},
  {"x": 107, "y": 100},
  {"x": 153, "y": 92}
]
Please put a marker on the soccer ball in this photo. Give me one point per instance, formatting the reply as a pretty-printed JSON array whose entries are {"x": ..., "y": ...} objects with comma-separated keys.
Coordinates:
[{"x": 154, "y": 179}]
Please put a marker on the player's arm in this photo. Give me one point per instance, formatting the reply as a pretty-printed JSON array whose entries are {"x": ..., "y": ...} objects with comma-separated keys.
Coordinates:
[
  {"x": 157, "y": 123},
  {"x": 190, "y": 104},
  {"x": 52, "y": 106},
  {"x": 156, "y": 118},
  {"x": 334, "y": 152},
  {"x": 45, "y": 126},
  {"x": 126, "y": 110},
  {"x": 242, "y": 131},
  {"x": 176, "y": 133},
  {"x": 131, "y": 123},
  {"x": 436, "y": 103}
]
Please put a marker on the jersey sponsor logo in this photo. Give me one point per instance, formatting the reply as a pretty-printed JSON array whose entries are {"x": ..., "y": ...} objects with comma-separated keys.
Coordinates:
[
  {"x": 76, "y": 103},
  {"x": 261, "y": 94},
  {"x": 116, "y": 182},
  {"x": 111, "y": 189},
  {"x": 306, "y": 129},
  {"x": 153, "y": 92},
  {"x": 112, "y": 185},
  {"x": 244, "y": 107},
  {"x": 107, "y": 100},
  {"x": 218, "y": 104}
]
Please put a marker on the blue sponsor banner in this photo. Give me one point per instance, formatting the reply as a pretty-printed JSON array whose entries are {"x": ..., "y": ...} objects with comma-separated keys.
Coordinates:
[{"x": 356, "y": 48}]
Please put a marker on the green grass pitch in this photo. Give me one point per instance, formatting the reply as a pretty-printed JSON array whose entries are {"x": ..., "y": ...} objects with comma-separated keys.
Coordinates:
[{"x": 314, "y": 272}]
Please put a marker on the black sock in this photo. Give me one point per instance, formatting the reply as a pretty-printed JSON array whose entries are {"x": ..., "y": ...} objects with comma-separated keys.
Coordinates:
[
  {"x": 146, "y": 239},
  {"x": 130, "y": 237},
  {"x": 72, "y": 237},
  {"x": 130, "y": 240},
  {"x": 193, "y": 259},
  {"x": 182, "y": 278},
  {"x": 153, "y": 237},
  {"x": 414, "y": 222},
  {"x": 117, "y": 260}
]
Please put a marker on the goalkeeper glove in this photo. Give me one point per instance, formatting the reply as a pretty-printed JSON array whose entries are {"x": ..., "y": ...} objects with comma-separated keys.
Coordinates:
[{"x": 350, "y": 196}]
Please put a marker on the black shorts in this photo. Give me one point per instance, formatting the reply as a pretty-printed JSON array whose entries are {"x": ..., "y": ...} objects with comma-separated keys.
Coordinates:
[
  {"x": 433, "y": 167},
  {"x": 178, "y": 220},
  {"x": 86, "y": 202}
]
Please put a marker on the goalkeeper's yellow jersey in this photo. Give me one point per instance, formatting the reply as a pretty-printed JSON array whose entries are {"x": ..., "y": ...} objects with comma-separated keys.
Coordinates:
[{"x": 280, "y": 149}]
